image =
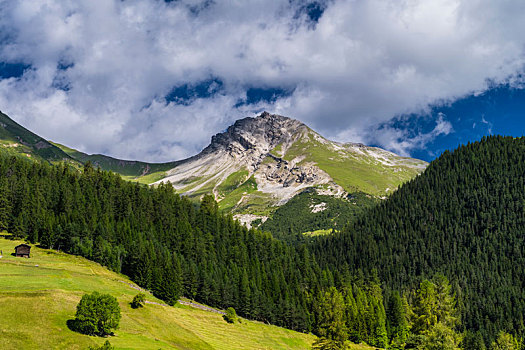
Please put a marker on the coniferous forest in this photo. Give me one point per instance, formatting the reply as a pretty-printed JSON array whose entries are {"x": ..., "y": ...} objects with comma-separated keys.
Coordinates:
[
  {"x": 380, "y": 281},
  {"x": 463, "y": 217}
]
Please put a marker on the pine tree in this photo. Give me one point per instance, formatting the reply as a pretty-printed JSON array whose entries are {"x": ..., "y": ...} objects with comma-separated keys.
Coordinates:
[
  {"x": 331, "y": 315},
  {"x": 397, "y": 325},
  {"x": 425, "y": 308}
]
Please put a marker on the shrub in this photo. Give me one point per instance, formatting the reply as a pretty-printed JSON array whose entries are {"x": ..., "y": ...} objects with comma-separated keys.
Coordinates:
[
  {"x": 138, "y": 300},
  {"x": 97, "y": 314},
  {"x": 231, "y": 315}
]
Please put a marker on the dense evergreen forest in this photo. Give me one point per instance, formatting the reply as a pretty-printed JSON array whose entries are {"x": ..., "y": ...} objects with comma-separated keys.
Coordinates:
[
  {"x": 463, "y": 217},
  {"x": 300, "y": 215},
  {"x": 380, "y": 281}
]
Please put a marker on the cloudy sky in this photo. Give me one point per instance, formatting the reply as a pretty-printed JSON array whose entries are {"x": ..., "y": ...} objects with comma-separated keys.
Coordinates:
[{"x": 154, "y": 80}]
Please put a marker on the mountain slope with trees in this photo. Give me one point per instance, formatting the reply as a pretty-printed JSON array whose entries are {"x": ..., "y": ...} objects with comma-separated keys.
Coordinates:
[
  {"x": 309, "y": 212},
  {"x": 251, "y": 169},
  {"x": 161, "y": 240},
  {"x": 463, "y": 217}
]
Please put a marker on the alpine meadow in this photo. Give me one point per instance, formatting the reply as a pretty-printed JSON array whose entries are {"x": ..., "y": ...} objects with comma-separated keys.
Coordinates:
[{"x": 286, "y": 174}]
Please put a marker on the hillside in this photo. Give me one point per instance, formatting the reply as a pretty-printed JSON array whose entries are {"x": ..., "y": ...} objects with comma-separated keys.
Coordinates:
[
  {"x": 17, "y": 140},
  {"x": 310, "y": 213},
  {"x": 40, "y": 294},
  {"x": 161, "y": 240},
  {"x": 463, "y": 217},
  {"x": 129, "y": 169}
]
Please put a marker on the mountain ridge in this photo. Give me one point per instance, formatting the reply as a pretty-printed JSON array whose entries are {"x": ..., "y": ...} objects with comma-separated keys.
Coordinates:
[
  {"x": 15, "y": 139},
  {"x": 260, "y": 163},
  {"x": 255, "y": 166}
]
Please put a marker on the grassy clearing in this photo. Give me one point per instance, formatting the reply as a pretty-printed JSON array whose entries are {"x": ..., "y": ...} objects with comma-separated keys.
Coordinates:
[
  {"x": 321, "y": 232},
  {"x": 257, "y": 203},
  {"x": 230, "y": 201},
  {"x": 38, "y": 296},
  {"x": 146, "y": 179}
]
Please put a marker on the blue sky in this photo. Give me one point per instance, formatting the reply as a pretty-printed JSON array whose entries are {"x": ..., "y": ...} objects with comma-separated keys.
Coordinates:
[
  {"x": 498, "y": 110},
  {"x": 154, "y": 80}
]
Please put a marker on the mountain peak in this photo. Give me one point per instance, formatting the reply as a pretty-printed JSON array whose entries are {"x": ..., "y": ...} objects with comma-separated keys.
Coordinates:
[
  {"x": 261, "y": 162},
  {"x": 264, "y": 132}
]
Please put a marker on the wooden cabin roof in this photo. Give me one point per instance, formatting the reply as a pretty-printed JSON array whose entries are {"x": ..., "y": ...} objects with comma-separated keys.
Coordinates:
[{"x": 23, "y": 245}]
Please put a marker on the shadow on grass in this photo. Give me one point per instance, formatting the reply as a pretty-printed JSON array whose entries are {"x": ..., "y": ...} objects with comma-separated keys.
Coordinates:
[
  {"x": 76, "y": 326},
  {"x": 73, "y": 325}
]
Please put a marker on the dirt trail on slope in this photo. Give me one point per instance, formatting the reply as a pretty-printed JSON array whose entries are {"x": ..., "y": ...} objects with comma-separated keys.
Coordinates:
[{"x": 183, "y": 302}]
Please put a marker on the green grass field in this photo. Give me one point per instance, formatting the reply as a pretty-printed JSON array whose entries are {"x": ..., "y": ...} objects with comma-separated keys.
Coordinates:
[{"x": 38, "y": 295}]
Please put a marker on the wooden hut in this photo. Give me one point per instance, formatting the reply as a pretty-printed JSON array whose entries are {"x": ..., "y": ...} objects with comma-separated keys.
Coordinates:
[{"x": 22, "y": 250}]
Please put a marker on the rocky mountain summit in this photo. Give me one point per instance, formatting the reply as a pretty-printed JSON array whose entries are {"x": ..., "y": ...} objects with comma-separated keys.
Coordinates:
[
  {"x": 255, "y": 134},
  {"x": 260, "y": 163}
]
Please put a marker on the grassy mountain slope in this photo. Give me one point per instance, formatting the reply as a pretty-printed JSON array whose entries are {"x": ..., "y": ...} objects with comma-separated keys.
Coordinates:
[
  {"x": 17, "y": 140},
  {"x": 40, "y": 294},
  {"x": 355, "y": 167},
  {"x": 129, "y": 169},
  {"x": 258, "y": 164}
]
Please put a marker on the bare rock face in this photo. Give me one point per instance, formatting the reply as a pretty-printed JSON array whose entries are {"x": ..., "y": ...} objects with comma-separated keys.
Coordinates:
[
  {"x": 249, "y": 144},
  {"x": 254, "y": 135}
]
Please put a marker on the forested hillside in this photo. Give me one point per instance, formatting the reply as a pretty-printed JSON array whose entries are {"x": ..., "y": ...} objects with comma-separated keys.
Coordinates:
[
  {"x": 159, "y": 239},
  {"x": 464, "y": 217},
  {"x": 168, "y": 245},
  {"x": 310, "y": 211}
]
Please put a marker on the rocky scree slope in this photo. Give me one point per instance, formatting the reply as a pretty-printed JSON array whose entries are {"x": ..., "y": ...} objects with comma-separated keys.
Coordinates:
[{"x": 260, "y": 163}]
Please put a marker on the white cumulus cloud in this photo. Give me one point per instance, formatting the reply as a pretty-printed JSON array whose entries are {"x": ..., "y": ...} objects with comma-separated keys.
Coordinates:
[{"x": 99, "y": 70}]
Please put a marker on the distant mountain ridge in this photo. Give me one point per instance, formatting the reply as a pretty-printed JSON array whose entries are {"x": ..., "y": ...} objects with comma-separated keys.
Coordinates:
[
  {"x": 129, "y": 169},
  {"x": 17, "y": 140}
]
